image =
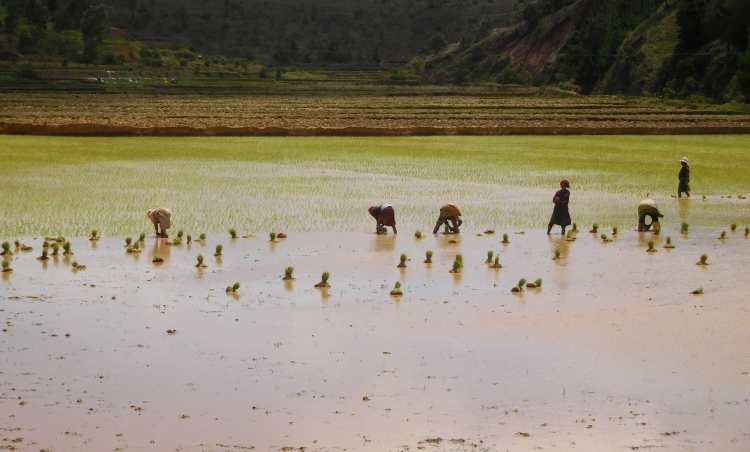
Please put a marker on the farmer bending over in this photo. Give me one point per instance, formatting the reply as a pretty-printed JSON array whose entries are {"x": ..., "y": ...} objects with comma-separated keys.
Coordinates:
[
  {"x": 648, "y": 208},
  {"x": 384, "y": 216},
  {"x": 684, "y": 177},
  {"x": 449, "y": 212},
  {"x": 161, "y": 218}
]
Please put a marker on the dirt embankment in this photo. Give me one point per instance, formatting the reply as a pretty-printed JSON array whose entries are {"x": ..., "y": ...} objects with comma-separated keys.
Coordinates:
[{"x": 113, "y": 130}]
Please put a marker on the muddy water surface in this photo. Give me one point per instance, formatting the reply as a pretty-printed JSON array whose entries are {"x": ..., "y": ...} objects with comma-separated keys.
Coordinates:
[{"x": 612, "y": 353}]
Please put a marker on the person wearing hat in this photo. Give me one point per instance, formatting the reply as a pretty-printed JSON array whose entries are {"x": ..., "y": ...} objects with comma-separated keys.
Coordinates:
[
  {"x": 161, "y": 217},
  {"x": 560, "y": 214},
  {"x": 449, "y": 212},
  {"x": 648, "y": 208},
  {"x": 684, "y": 177},
  {"x": 384, "y": 216}
]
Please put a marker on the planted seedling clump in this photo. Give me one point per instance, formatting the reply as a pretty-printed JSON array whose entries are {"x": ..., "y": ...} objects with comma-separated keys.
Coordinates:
[
  {"x": 200, "y": 262},
  {"x": 77, "y": 266},
  {"x": 418, "y": 235},
  {"x": 66, "y": 248},
  {"x": 460, "y": 259},
  {"x": 288, "y": 274},
  {"x": 704, "y": 260},
  {"x": 733, "y": 227},
  {"x": 179, "y": 234},
  {"x": 569, "y": 237},
  {"x": 747, "y": 231},
  {"x": 43, "y": 257},
  {"x": 17, "y": 243},
  {"x": 273, "y": 237},
  {"x": 402, "y": 264},
  {"x": 669, "y": 243},
  {"x": 657, "y": 228},
  {"x": 490, "y": 254},
  {"x": 6, "y": 249},
  {"x": 615, "y": 229},
  {"x": 519, "y": 286},
  {"x": 575, "y": 227},
  {"x": 489, "y": 231},
  {"x": 234, "y": 288},
  {"x": 684, "y": 228},
  {"x": 497, "y": 263},
  {"x": 505, "y": 238},
  {"x": 428, "y": 255},
  {"x": 456, "y": 266},
  {"x": 557, "y": 255},
  {"x": 142, "y": 237},
  {"x": 136, "y": 248},
  {"x": 535, "y": 285},
  {"x": 594, "y": 228},
  {"x": 651, "y": 248},
  {"x": 324, "y": 281},
  {"x": 233, "y": 233},
  {"x": 6, "y": 266},
  {"x": 723, "y": 235},
  {"x": 94, "y": 235},
  {"x": 176, "y": 241},
  {"x": 158, "y": 259},
  {"x": 698, "y": 291},
  {"x": 605, "y": 239},
  {"x": 397, "y": 289},
  {"x": 188, "y": 239},
  {"x": 202, "y": 237},
  {"x": 218, "y": 250},
  {"x": 55, "y": 249},
  {"x": 128, "y": 242}
]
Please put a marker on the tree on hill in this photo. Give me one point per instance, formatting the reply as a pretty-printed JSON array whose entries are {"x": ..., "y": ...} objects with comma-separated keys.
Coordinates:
[{"x": 93, "y": 27}]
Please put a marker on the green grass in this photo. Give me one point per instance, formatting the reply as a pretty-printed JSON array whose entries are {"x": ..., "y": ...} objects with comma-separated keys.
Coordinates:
[{"x": 326, "y": 184}]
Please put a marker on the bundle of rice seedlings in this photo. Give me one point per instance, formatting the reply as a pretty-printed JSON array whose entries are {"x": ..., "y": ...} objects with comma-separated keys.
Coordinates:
[
  {"x": 6, "y": 266},
  {"x": 418, "y": 235},
  {"x": 188, "y": 239},
  {"x": 747, "y": 231},
  {"x": 651, "y": 248},
  {"x": 505, "y": 238},
  {"x": 202, "y": 237},
  {"x": 218, "y": 250},
  {"x": 704, "y": 260},
  {"x": 684, "y": 228},
  {"x": 519, "y": 286},
  {"x": 615, "y": 229},
  {"x": 669, "y": 243},
  {"x": 497, "y": 263},
  {"x": 142, "y": 237},
  {"x": 605, "y": 239},
  {"x": 128, "y": 242},
  {"x": 177, "y": 241},
  {"x": 460, "y": 259},
  {"x": 402, "y": 263},
  {"x": 657, "y": 228},
  {"x": 558, "y": 253},
  {"x": 397, "y": 289},
  {"x": 94, "y": 235},
  {"x": 77, "y": 266},
  {"x": 200, "y": 261},
  {"x": 55, "y": 249},
  {"x": 733, "y": 227},
  {"x": 233, "y": 233},
  {"x": 288, "y": 274},
  {"x": 233, "y": 288},
  {"x": 698, "y": 291},
  {"x": 17, "y": 243},
  {"x": 575, "y": 227},
  {"x": 428, "y": 254},
  {"x": 273, "y": 237},
  {"x": 456, "y": 267},
  {"x": 535, "y": 285},
  {"x": 490, "y": 255},
  {"x": 594, "y": 228},
  {"x": 44, "y": 256},
  {"x": 158, "y": 258},
  {"x": 489, "y": 231},
  {"x": 324, "y": 280},
  {"x": 66, "y": 247},
  {"x": 569, "y": 237},
  {"x": 723, "y": 235},
  {"x": 6, "y": 249}
]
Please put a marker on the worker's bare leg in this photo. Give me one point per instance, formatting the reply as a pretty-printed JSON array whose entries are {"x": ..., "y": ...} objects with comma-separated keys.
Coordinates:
[
  {"x": 437, "y": 226},
  {"x": 394, "y": 229}
]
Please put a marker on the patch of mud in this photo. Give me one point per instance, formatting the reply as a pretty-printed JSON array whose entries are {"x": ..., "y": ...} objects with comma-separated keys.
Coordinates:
[{"x": 612, "y": 353}]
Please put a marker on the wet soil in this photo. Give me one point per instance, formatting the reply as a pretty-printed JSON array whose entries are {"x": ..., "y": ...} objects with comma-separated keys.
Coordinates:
[{"x": 614, "y": 353}]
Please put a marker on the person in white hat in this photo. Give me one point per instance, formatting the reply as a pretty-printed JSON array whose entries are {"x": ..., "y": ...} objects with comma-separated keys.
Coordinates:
[
  {"x": 161, "y": 217},
  {"x": 684, "y": 177}
]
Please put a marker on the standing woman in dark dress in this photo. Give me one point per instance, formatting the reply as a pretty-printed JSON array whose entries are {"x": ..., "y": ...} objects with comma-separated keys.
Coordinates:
[
  {"x": 560, "y": 214},
  {"x": 684, "y": 177}
]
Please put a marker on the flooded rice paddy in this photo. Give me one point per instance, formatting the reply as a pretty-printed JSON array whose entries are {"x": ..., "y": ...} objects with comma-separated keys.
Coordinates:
[{"x": 613, "y": 352}]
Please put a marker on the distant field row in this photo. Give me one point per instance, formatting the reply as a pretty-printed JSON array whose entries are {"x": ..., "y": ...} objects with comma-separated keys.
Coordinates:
[{"x": 70, "y": 185}]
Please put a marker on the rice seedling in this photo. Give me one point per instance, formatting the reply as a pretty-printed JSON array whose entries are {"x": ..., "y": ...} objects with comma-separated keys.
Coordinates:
[
  {"x": 460, "y": 259},
  {"x": 17, "y": 243},
  {"x": 288, "y": 274},
  {"x": 219, "y": 248},
  {"x": 44, "y": 256},
  {"x": 158, "y": 259},
  {"x": 26, "y": 248},
  {"x": 45, "y": 244},
  {"x": 519, "y": 287},
  {"x": 704, "y": 260},
  {"x": 497, "y": 263},
  {"x": 128, "y": 241},
  {"x": 233, "y": 233},
  {"x": 202, "y": 237},
  {"x": 177, "y": 241},
  {"x": 723, "y": 235},
  {"x": 489, "y": 231},
  {"x": 324, "y": 280},
  {"x": 137, "y": 246},
  {"x": 402, "y": 263},
  {"x": 505, "y": 239},
  {"x": 684, "y": 228},
  {"x": 594, "y": 228},
  {"x": 698, "y": 291},
  {"x": 397, "y": 289},
  {"x": 200, "y": 261},
  {"x": 704, "y": 197},
  {"x": 6, "y": 266},
  {"x": 66, "y": 247},
  {"x": 615, "y": 229},
  {"x": 6, "y": 249},
  {"x": 651, "y": 248},
  {"x": 605, "y": 239},
  {"x": 179, "y": 234},
  {"x": 747, "y": 231},
  {"x": 428, "y": 255},
  {"x": 74, "y": 264},
  {"x": 669, "y": 243},
  {"x": 142, "y": 237},
  {"x": 733, "y": 227},
  {"x": 60, "y": 239},
  {"x": 657, "y": 228},
  {"x": 534, "y": 285},
  {"x": 456, "y": 267},
  {"x": 569, "y": 237},
  {"x": 558, "y": 253},
  {"x": 490, "y": 255},
  {"x": 575, "y": 227},
  {"x": 446, "y": 229},
  {"x": 94, "y": 235},
  {"x": 538, "y": 282},
  {"x": 418, "y": 235},
  {"x": 188, "y": 239},
  {"x": 55, "y": 249},
  {"x": 273, "y": 237},
  {"x": 233, "y": 288},
  {"x": 383, "y": 230}
]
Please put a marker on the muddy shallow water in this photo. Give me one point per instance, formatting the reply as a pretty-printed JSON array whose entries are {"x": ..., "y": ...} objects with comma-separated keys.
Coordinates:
[{"x": 613, "y": 352}]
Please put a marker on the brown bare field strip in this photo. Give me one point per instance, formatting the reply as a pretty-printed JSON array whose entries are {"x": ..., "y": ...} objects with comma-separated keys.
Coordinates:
[{"x": 356, "y": 115}]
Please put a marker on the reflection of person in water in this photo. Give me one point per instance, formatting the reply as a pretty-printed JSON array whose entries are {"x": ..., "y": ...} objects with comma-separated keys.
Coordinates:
[
  {"x": 684, "y": 177},
  {"x": 560, "y": 214},
  {"x": 449, "y": 213},
  {"x": 161, "y": 217},
  {"x": 648, "y": 208},
  {"x": 384, "y": 216}
]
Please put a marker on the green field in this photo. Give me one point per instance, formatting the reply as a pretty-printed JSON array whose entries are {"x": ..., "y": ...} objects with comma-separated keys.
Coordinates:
[{"x": 55, "y": 185}]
